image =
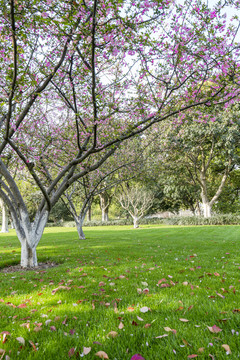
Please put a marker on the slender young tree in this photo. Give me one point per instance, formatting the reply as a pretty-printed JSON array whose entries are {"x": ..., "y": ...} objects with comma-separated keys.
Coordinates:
[
  {"x": 136, "y": 201},
  {"x": 104, "y": 72},
  {"x": 105, "y": 201}
]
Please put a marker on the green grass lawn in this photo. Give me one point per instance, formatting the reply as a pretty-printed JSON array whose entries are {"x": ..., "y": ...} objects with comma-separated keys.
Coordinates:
[{"x": 95, "y": 299}]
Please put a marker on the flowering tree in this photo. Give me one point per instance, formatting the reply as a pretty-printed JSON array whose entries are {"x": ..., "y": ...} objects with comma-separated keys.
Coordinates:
[
  {"x": 123, "y": 166},
  {"x": 104, "y": 72}
]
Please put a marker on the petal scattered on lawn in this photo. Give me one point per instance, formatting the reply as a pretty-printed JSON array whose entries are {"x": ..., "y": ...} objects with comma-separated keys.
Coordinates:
[
  {"x": 147, "y": 325},
  {"x": 192, "y": 356},
  {"x": 21, "y": 340},
  {"x": 211, "y": 356},
  {"x": 214, "y": 329},
  {"x": 102, "y": 355},
  {"x": 71, "y": 352},
  {"x": 121, "y": 326},
  {"x": 184, "y": 320},
  {"x": 86, "y": 350},
  {"x": 169, "y": 329},
  {"x": 161, "y": 336},
  {"x": 137, "y": 357},
  {"x": 112, "y": 334},
  {"x": 130, "y": 308},
  {"x": 139, "y": 318},
  {"x": 227, "y": 348},
  {"x": 33, "y": 345},
  {"x": 144, "y": 309}
]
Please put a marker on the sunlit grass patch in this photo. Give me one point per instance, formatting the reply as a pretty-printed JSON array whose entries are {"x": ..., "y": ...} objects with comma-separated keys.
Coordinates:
[{"x": 174, "y": 282}]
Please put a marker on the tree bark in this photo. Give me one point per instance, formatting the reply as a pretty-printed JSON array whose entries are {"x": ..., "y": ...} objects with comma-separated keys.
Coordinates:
[
  {"x": 135, "y": 222},
  {"x": 29, "y": 235},
  {"x": 89, "y": 214},
  {"x": 79, "y": 225},
  {"x": 207, "y": 210},
  {"x": 105, "y": 216},
  {"x": 198, "y": 209},
  {"x": 205, "y": 202},
  {"x": 105, "y": 201},
  {"x": 28, "y": 255},
  {"x": 4, "y": 218}
]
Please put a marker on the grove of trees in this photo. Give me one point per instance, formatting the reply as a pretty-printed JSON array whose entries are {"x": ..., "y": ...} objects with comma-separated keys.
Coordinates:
[{"x": 78, "y": 79}]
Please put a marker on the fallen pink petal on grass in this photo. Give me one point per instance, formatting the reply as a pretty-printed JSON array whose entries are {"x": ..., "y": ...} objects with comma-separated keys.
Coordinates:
[
  {"x": 71, "y": 352},
  {"x": 21, "y": 340},
  {"x": 86, "y": 350},
  {"x": 144, "y": 309},
  {"x": 137, "y": 357},
  {"x": 121, "y": 326},
  {"x": 214, "y": 329}
]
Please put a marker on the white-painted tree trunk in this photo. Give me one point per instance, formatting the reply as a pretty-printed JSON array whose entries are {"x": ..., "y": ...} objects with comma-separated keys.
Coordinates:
[
  {"x": 4, "y": 219},
  {"x": 79, "y": 225},
  {"x": 207, "y": 210},
  {"x": 29, "y": 235},
  {"x": 135, "y": 222},
  {"x": 79, "y": 220},
  {"x": 28, "y": 255},
  {"x": 105, "y": 217},
  {"x": 105, "y": 201}
]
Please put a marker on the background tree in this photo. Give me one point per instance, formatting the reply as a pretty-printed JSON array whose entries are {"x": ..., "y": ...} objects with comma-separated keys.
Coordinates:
[
  {"x": 105, "y": 199},
  {"x": 136, "y": 201},
  {"x": 200, "y": 158},
  {"x": 229, "y": 201}
]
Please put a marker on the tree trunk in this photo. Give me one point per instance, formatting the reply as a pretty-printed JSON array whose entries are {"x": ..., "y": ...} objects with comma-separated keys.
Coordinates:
[
  {"x": 135, "y": 222},
  {"x": 89, "y": 214},
  {"x": 105, "y": 201},
  {"x": 207, "y": 210},
  {"x": 198, "y": 209},
  {"x": 29, "y": 235},
  {"x": 205, "y": 202},
  {"x": 105, "y": 217},
  {"x": 79, "y": 225},
  {"x": 28, "y": 255},
  {"x": 4, "y": 219}
]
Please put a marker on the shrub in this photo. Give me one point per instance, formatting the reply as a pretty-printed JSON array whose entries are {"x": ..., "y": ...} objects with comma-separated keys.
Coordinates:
[{"x": 229, "y": 219}]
